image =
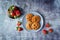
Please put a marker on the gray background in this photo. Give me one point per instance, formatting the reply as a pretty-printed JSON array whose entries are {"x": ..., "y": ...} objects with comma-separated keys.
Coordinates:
[{"x": 50, "y": 10}]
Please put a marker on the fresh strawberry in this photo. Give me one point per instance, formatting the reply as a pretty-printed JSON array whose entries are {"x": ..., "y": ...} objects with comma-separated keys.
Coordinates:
[
  {"x": 20, "y": 29},
  {"x": 50, "y": 30},
  {"x": 47, "y": 25},
  {"x": 14, "y": 11},
  {"x": 44, "y": 32},
  {"x": 18, "y": 24},
  {"x": 18, "y": 13},
  {"x": 12, "y": 14}
]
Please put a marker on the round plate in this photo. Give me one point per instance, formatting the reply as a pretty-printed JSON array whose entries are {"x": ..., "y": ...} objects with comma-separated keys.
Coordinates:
[{"x": 24, "y": 21}]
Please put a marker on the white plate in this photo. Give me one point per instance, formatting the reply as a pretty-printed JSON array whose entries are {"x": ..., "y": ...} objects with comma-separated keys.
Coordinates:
[{"x": 34, "y": 13}]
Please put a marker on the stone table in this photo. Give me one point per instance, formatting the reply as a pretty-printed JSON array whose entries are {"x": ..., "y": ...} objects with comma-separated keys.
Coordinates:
[{"x": 50, "y": 10}]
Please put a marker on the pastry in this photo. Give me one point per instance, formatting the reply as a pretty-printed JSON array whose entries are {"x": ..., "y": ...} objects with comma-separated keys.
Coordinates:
[
  {"x": 28, "y": 25},
  {"x": 36, "y": 18},
  {"x": 35, "y": 26},
  {"x": 33, "y": 22},
  {"x": 29, "y": 17}
]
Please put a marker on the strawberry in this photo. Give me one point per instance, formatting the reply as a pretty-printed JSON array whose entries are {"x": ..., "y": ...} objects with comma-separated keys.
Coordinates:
[
  {"x": 44, "y": 32},
  {"x": 50, "y": 30},
  {"x": 47, "y": 25},
  {"x": 18, "y": 24},
  {"x": 12, "y": 14},
  {"x": 18, "y": 13},
  {"x": 20, "y": 29},
  {"x": 14, "y": 11}
]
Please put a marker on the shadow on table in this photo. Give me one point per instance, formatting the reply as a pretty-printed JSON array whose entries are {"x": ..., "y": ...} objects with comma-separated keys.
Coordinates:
[{"x": 54, "y": 35}]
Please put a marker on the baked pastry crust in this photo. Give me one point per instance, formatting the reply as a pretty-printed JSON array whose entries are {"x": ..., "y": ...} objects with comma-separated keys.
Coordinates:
[
  {"x": 28, "y": 25},
  {"x": 36, "y": 18},
  {"x": 29, "y": 17},
  {"x": 35, "y": 26}
]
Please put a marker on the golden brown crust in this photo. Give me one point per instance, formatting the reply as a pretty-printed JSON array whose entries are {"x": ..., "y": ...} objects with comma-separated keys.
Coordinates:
[
  {"x": 36, "y": 18},
  {"x": 28, "y": 25},
  {"x": 33, "y": 22},
  {"x": 29, "y": 17},
  {"x": 35, "y": 26}
]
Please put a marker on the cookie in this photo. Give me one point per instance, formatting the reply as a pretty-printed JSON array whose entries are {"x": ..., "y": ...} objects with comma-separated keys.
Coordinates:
[
  {"x": 28, "y": 25},
  {"x": 36, "y": 18},
  {"x": 35, "y": 26},
  {"x": 29, "y": 17}
]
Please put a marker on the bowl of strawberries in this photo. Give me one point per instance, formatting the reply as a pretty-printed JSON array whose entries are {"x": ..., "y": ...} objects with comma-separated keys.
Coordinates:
[{"x": 14, "y": 12}]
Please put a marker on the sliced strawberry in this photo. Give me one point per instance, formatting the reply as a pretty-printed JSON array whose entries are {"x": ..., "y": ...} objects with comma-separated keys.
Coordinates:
[
  {"x": 14, "y": 11},
  {"x": 50, "y": 30},
  {"x": 44, "y": 32},
  {"x": 47, "y": 25}
]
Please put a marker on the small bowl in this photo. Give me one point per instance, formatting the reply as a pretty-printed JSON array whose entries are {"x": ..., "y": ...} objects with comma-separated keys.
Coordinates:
[{"x": 14, "y": 12}]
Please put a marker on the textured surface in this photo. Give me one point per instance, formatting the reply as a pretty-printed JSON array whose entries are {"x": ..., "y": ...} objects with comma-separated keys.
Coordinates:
[{"x": 51, "y": 12}]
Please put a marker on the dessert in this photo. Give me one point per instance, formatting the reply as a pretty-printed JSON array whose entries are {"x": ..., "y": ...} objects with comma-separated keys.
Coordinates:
[
  {"x": 29, "y": 17},
  {"x": 35, "y": 26},
  {"x": 33, "y": 22},
  {"x": 36, "y": 18},
  {"x": 28, "y": 25}
]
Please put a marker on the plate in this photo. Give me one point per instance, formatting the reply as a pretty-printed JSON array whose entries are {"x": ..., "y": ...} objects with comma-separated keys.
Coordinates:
[{"x": 24, "y": 21}]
